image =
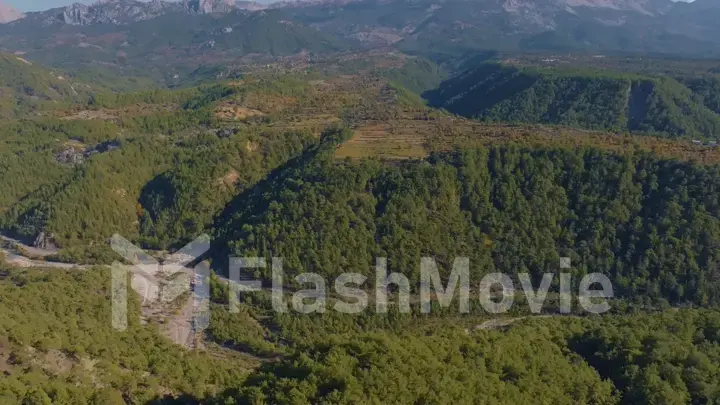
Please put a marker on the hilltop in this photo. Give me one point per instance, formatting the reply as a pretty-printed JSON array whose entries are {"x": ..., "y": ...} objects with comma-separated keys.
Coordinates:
[
  {"x": 26, "y": 87},
  {"x": 592, "y": 99},
  {"x": 331, "y": 161},
  {"x": 160, "y": 40}
]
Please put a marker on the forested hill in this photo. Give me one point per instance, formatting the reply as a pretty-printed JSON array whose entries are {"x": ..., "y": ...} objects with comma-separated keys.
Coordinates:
[
  {"x": 581, "y": 98},
  {"x": 652, "y": 225},
  {"x": 330, "y": 165},
  {"x": 174, "y": 43},
  {"x": 58, "y": 347},
  {"x": 25, "y": 87}
]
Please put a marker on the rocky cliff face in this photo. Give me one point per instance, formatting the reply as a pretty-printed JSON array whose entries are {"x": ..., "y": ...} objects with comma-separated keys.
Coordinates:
[
  {"x": 45, "y": 241},
  {"x": 115, "y": 12},
  {"x": 128, "y": 11},
  {"x": 250, "y": 5},
  {"x": 602, "y": 8},
  {"x": 77, "y": 14},
  {"x": 209, "y": 6},
  {"x": 550, "y": 15}
]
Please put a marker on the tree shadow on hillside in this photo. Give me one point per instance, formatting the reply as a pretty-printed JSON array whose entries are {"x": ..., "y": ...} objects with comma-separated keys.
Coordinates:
[
  {"x": 225, "y": 397},
  {"x": 181, "y": 400},
  {"x": 251, "y": 201}
]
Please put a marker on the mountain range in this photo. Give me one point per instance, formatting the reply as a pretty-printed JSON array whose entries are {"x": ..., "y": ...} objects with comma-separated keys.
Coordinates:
[
  {"x": 167, "y": 34},
  {"x": 648, "y": 26},
  {"x": 536, "y": 14},
  {"x": 594, "y": 99},
  {"x": 158, "y": 38},
  {"x": 120, "y": 12}
]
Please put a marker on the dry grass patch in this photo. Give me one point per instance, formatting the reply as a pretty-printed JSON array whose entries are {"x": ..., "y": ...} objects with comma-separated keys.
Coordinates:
[
  {"x": 134, "y": 110},
  {"x": 229, "y": 179},
  {"x": 416, "y": 138},
  {"x": 232, "y": 112}
]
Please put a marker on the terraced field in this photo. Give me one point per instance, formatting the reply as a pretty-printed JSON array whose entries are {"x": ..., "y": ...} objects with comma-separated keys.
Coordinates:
[
  {"x": 387, "y": 126},
  {"x": 417, "y": 136}
]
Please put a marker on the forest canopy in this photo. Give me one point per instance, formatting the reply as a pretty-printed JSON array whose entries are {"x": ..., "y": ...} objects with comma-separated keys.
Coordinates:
[
  {"x": 593, "y": 99},
  {"x": 272, "y": 164}
]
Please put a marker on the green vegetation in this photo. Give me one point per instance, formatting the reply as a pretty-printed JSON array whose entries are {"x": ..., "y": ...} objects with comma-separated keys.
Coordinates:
[
  {"x": 651, "y": 225},
  {"x": 26, "y": 88},
  {"x": 166, "y": 184},
  {"x": 158, "y": 178},
  {"x": 256, "y": 163},
  {"x": 446, "y": 366},
  {"x": 669, "y": 358},
  {"x": 173, "y": 44},
  {"x": 417, "y": 75},
  {"x": 57, "y": 346},
  {"x": 706, "y": 87},
  {"x": 587, "y": 99},
  {"x": 180, "y": 203}
]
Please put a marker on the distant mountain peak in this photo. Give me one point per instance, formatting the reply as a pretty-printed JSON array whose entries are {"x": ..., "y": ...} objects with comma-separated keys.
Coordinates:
[
  {"x": 9, "y": 14},
  {"x": 649, "y": 7},
  {"x": 210, "y": 6},
  {"x": 121, "y": 12},
  {"x": 250, "y": 5}
]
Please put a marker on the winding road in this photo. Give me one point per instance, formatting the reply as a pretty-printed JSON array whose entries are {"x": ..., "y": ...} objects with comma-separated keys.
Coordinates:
[{"x": 15, "y": 257}]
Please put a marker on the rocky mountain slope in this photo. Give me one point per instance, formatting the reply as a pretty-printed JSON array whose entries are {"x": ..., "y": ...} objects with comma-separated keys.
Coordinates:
[
  {"x": 161, "y": 38},
  {"x": 120, "y": 12},
  {"x": 461, "y": 25},
  {"x": 170, "y": 34}
]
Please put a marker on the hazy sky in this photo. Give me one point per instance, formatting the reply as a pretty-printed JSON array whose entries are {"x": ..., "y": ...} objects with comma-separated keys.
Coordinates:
[{"x": 35, "y": 5}]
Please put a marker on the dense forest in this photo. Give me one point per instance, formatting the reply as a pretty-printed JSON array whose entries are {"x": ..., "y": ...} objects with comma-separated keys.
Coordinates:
[
  {"x": 57, "y": 347},
  {"x": 254, "y": 161},
  {"x": 584, "y": 98},
  {"x": 651, "y": 225},
  {"x": 25, "y": 88},
  {"x": 665, "y": 358},
  {"x": 157, "y": 165},
  {"x": 158, "y": 178}
]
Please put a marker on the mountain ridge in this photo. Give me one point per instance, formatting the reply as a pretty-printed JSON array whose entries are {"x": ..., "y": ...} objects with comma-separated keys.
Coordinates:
[
  {"x": 123, "y": 12},
  {"x": 582, "y": 98},
  {"x": 161, "y": 39},
  {"x": 110, "y": 30},
  {"x": 459, "y": 26}
]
